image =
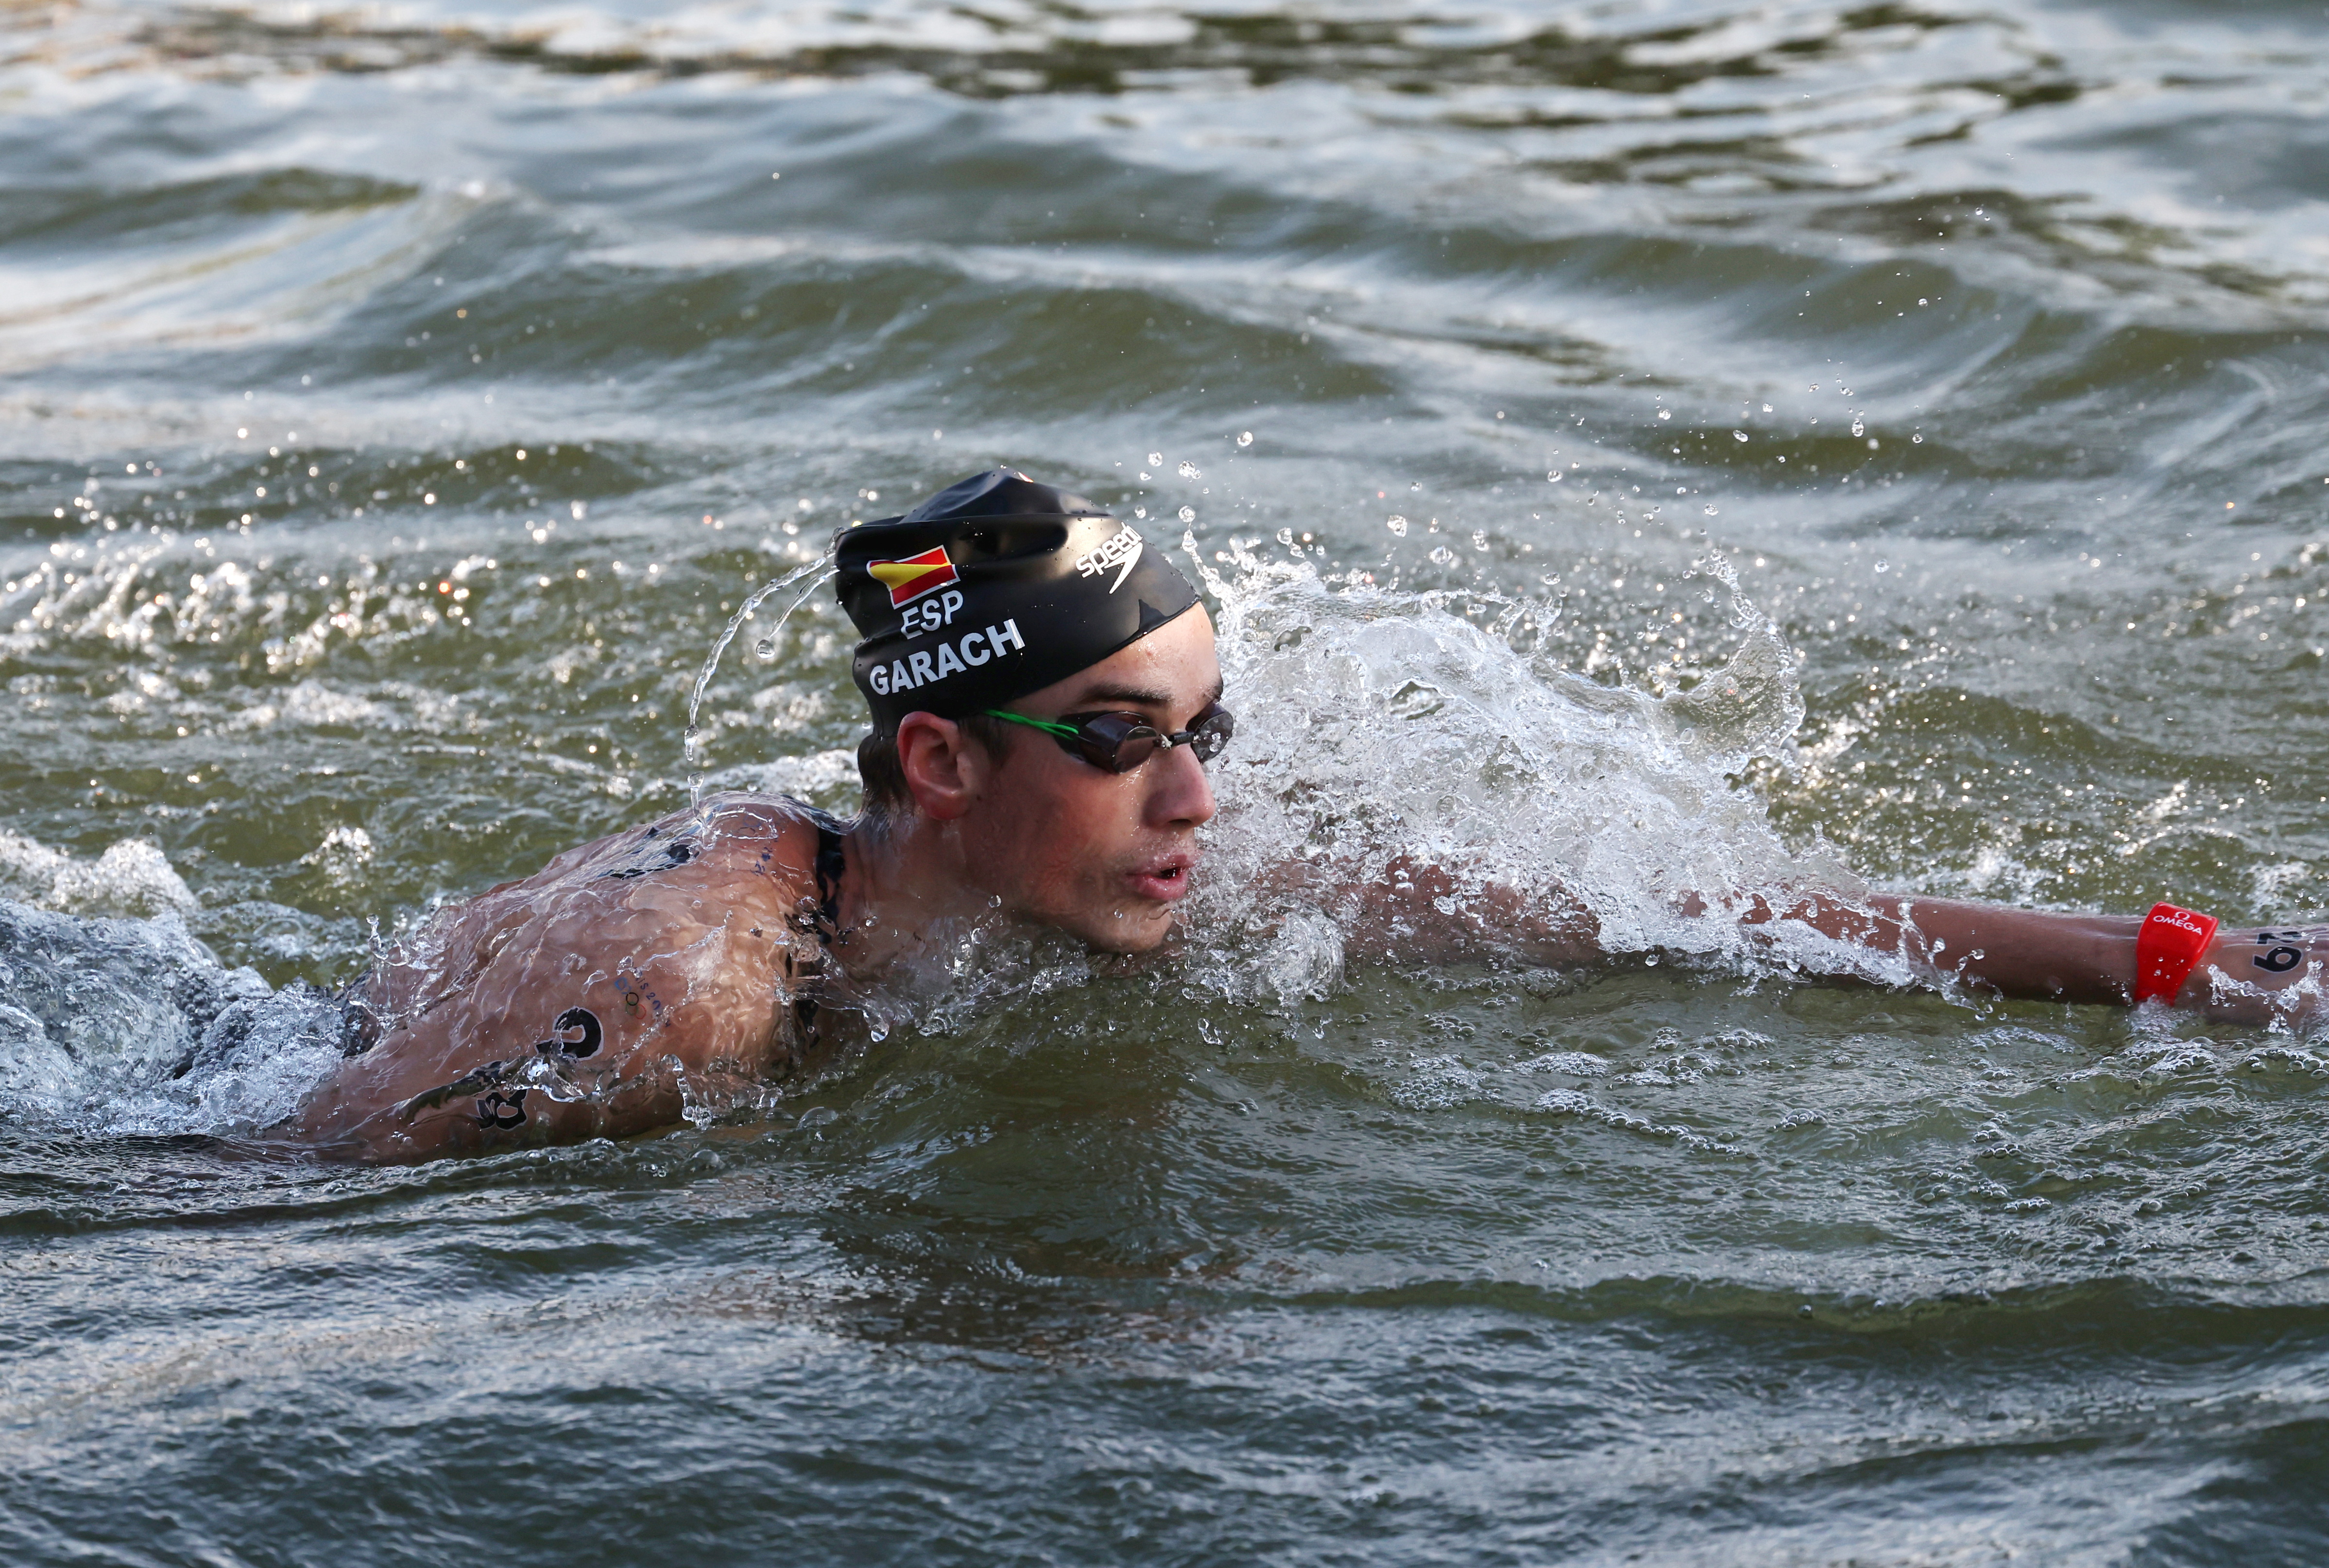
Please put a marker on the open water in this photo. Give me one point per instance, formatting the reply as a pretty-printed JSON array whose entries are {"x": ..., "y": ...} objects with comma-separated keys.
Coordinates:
[{"x": 396, "y": 402}]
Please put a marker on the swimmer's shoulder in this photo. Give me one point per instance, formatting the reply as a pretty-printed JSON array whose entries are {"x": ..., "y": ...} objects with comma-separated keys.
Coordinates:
[
  {"x": 721, "y": 839},
  {"x": 756, "y": 848},
  {"x": 771, "y": 836}
]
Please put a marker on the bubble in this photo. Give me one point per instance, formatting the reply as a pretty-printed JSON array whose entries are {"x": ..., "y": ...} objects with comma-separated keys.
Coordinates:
[
  {"x": 1155, "y": 460},
  {"x": 1397, "y": 524},
  {"x": 1188, "y": 514},
  {"x": 1188, "y": 470},
  {"x": 1245, "y": 437},
  {"x": 766, "y": 647}
]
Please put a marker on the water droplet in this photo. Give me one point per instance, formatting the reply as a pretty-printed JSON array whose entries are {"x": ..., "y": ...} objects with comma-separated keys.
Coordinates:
[
  {"x": 1666, "y": 413},
  {"x": 1711, "y": 512},
  {"x": 1188, "y": 470},
  {"x": 1155, "y": 460},
  {"x": 1858, "y": 428},
  {"x": 1916, "y": 440},
  {"x": 1145, "y": 475},
  {"x": 1397, "y": 524},
  {"x": 1245, "y": 437},
  {"x": 1882, "y": 567},
  {"x": 1140, "y": 512},
  {"x": 1552, "y": 476},
  {"x": 1188, "y": 514},
  {"x": 1738, "y": 435},
  {"x": 766, "y": 647}
]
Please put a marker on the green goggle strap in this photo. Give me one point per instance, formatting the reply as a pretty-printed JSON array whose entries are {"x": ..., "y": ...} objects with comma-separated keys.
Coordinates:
[{"x": 1046, "y": 725}]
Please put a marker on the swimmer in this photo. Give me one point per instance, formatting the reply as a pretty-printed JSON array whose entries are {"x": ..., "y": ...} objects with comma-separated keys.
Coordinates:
[{"x": 1044, "y": 699}]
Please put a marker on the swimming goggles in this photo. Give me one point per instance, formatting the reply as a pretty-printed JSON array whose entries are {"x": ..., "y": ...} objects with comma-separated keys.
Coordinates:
[{"x": 1120, "y": 742}]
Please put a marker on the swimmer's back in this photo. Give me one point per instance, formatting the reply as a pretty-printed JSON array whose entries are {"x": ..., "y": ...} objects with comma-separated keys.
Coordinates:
[{"x": 669, "y": 962}]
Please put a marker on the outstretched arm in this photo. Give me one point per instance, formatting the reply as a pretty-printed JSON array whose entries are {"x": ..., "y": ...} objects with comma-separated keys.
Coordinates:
[{"x": 2246, "y": 975}]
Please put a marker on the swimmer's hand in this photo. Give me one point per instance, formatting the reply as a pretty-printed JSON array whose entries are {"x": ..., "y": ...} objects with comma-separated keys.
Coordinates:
[{"x": 2262, "y": 974}]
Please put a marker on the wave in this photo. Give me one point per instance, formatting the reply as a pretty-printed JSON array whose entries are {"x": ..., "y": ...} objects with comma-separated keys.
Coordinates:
[{"x": 116, "y": 1026}]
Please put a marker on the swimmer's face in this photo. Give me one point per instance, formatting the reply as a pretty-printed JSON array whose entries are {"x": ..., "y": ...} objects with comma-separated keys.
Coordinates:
[{"x": 1104, "y": 856}]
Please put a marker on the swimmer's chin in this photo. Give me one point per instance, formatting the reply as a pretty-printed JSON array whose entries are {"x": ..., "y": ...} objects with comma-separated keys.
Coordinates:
[{"x": 1134, "y": 926}]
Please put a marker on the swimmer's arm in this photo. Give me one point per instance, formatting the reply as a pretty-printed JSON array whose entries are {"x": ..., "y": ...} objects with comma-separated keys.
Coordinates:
[
  {"x": 2247, "y": 974},
  {"x": 1418, "y": 912}
]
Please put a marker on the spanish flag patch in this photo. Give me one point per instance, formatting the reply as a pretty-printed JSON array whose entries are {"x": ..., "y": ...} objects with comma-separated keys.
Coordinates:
[{"x": 910, "y": 579}]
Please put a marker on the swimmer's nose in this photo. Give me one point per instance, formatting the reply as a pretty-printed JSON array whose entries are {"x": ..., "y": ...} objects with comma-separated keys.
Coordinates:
[{"x": 1179, "y": 793}]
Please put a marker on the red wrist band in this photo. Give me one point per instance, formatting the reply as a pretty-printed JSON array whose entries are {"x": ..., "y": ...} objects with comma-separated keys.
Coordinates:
[{"x": 2167, "y": 949}]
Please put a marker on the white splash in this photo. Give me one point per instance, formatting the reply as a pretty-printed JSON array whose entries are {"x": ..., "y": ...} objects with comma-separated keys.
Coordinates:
[
  {"x": 1381, "y": 730},
  {"x": 130, "y": 878}
]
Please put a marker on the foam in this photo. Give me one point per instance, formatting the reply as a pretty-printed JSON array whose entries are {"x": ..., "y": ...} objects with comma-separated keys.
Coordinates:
[
  {"x": 125, "y": 1026},
  {"x": 1377, "y": 728},
  {"x": 130, "y": 878}
]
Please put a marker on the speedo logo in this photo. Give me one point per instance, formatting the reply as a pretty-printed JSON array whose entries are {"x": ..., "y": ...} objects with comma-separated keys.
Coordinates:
[
  {"x": 1121, "y": 550},
  {"x": 925, "y": 665}
]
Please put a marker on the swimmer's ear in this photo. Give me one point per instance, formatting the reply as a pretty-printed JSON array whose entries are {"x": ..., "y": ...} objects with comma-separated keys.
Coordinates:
[{"x": 945, "y": 771}]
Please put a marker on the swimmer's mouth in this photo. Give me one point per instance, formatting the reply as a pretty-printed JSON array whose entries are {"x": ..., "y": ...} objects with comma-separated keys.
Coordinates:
[{"x": 1165, "y": 878}]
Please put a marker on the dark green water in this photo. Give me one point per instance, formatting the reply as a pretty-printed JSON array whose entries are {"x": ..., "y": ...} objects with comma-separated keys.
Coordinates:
[{"x": 1985, "y": 347}]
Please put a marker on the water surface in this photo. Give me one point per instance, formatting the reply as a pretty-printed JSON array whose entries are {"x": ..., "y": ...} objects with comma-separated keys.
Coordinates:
[{"x": 395, "y": 404}]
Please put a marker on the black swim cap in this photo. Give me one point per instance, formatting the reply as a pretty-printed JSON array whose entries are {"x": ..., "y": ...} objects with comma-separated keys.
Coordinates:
[{"x": 993, "y": 587}]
